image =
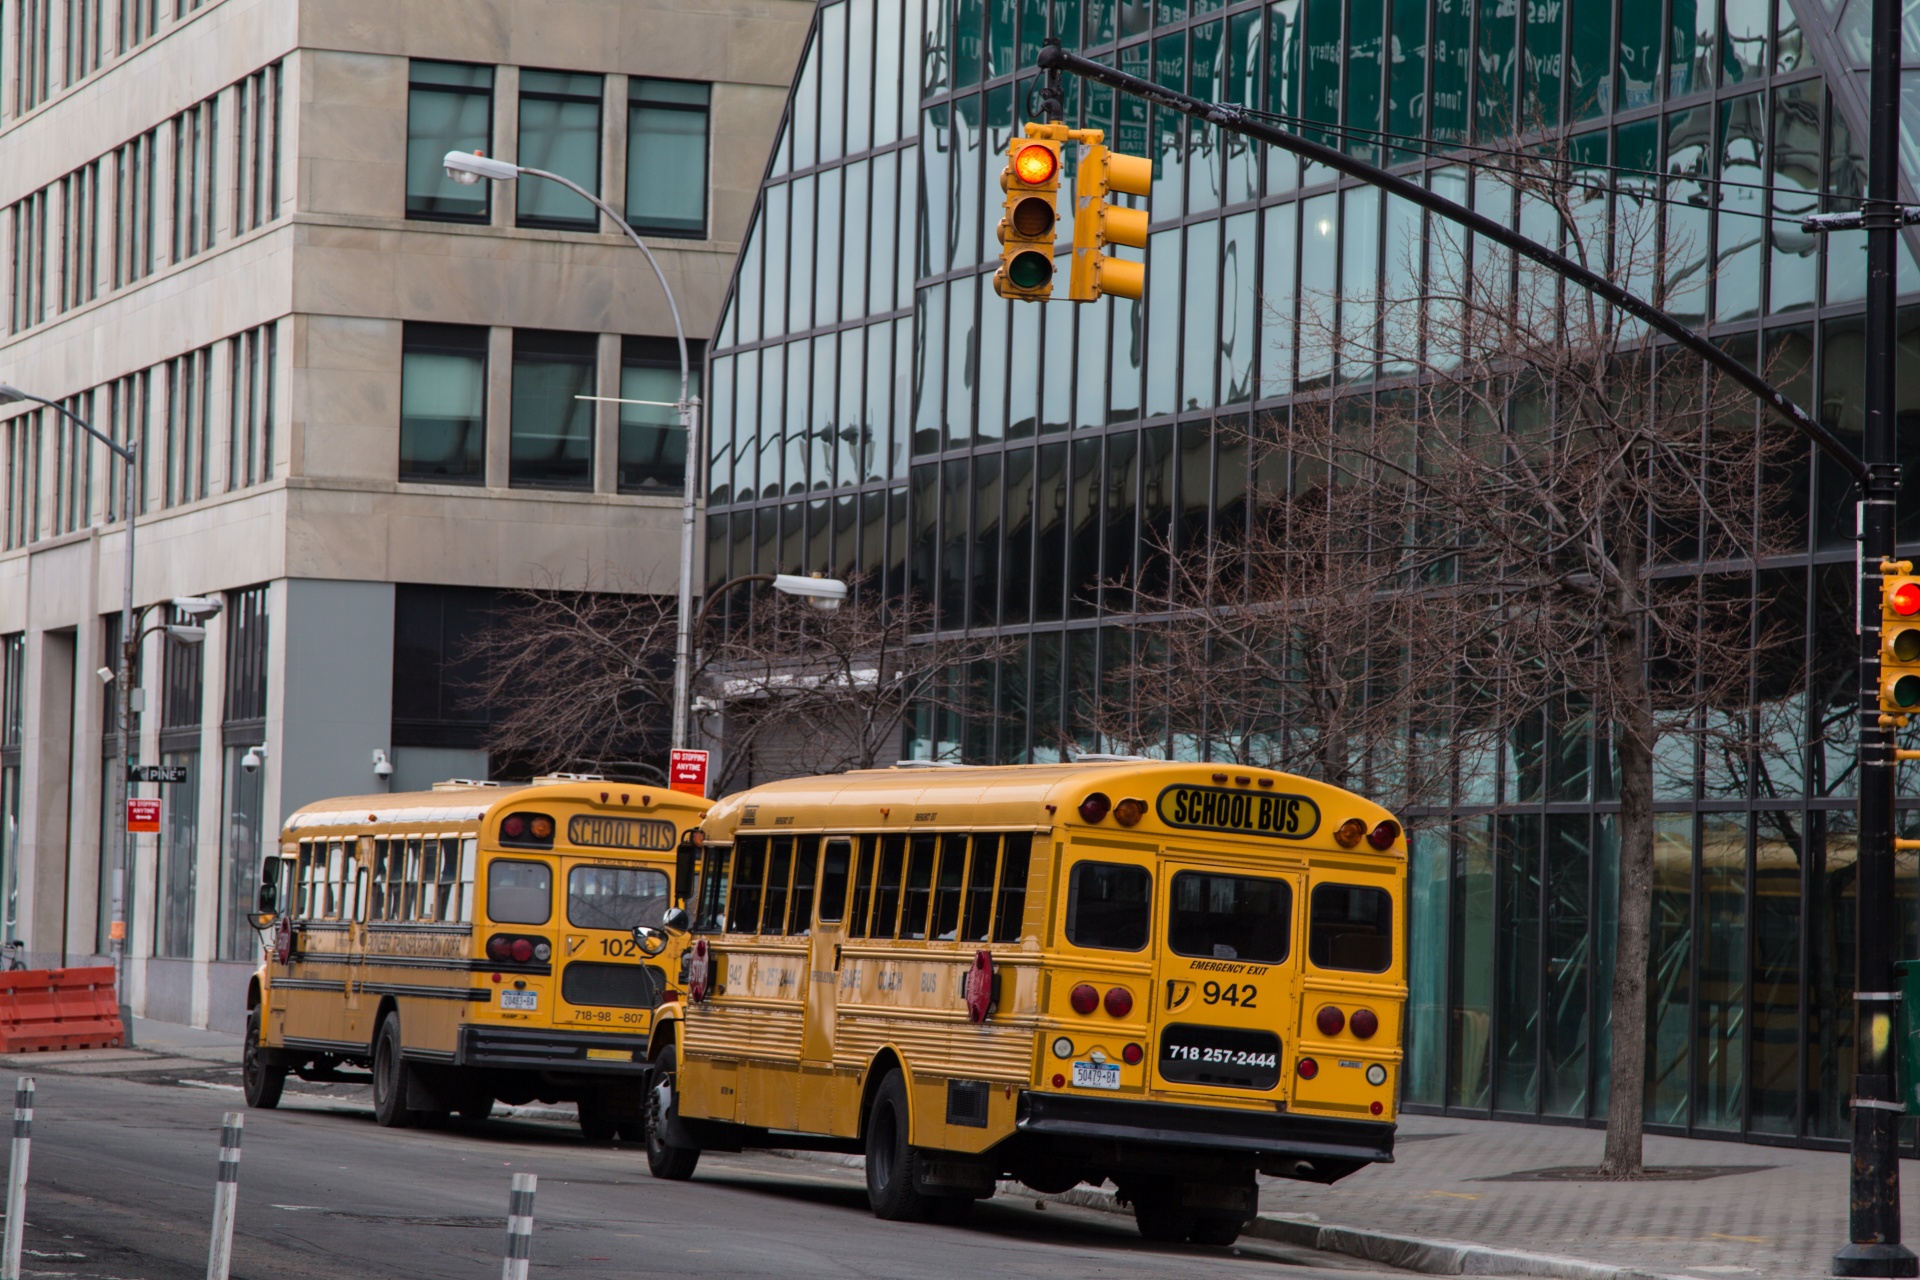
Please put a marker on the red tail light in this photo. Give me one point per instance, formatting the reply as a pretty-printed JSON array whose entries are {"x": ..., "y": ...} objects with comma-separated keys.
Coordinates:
[
  {"x": 1131, "y": 1055},
  {"x": 1330, "y": 1020},
  {"x": 522, "y": 950},
  {"x": 1383, "y": 836},
  {"x": 499, "y": 948},
  {"x": 1084, "y": 999},
  {"x": 1119, "y": 1002},
  {"x": 1365, "y": 1023},
  {"x": 1094, "y": 808},
  {"x": 1308, "y": 1068},
  {"x": 1375, "y": 1107}
]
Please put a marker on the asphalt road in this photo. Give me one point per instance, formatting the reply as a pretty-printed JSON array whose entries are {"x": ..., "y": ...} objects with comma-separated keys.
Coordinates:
[{"x": 123, "y": 1174}]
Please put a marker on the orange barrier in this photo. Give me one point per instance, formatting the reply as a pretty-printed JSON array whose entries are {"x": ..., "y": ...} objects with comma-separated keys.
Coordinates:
[{"x": 42, "y": 1009}]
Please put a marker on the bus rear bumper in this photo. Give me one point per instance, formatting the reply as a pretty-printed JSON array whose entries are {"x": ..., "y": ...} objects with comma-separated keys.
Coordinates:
[
  {"x": 1313, "y": 1148},
  {"x": 515, "y": 1049}
]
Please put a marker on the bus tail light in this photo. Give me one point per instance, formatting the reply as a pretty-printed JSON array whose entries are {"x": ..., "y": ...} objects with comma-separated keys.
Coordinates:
[
  {"x": 1375, "y": 1107},
  {"x": 1132, "y": 1054},
  {"x": 1347, "y": 835},
  {"x": 1119, "y": 1002},
  {"x": 1330, "y": 1020},
  {"x": 522, "y": 950},
  {"x": 1383, "y": 836},
  {"x": 1308, "y": 1068},
  {"x": 1084, "y": 999},
  {"x": 1129, "y": 811},
  {"x": 1364, "y": 1023},
  {"x": 1094, "y": 808},
  {"x": 541, "y": 951},
  {"x": 500, "y": 947}
]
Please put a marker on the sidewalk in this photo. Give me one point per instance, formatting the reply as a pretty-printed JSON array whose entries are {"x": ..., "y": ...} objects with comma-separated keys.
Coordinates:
[{"x": 185, "y": 1042}]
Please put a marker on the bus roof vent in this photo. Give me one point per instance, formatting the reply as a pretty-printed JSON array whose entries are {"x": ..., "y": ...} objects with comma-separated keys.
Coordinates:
[
  {"x": 931, "y": 764},
  {"x": 1101, "y": 757},
  {"x": 461, "y": 784},
  {"x": 555, "y": 779}
]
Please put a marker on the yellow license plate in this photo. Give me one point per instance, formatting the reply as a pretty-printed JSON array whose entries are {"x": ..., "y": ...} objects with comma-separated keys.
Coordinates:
[{"x": 611, "y": 1055}]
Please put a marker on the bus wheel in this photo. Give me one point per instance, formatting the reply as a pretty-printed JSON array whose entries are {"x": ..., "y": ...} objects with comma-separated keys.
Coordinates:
[
  {"x": 1161, "y": 1222},
  {"x": 1216, "y": 1231},
  {"x": 675, "y": 1164},
  {"x": 597, "y": 1123},
  {"x": 389, "y": 1077},
  {"x": 890, "y": 1161},
  {"x": 260, "y": 1073}
]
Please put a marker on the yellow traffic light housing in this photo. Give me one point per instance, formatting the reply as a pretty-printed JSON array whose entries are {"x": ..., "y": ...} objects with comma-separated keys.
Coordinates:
[
  {"x": 1031, "y": 180},
  {"x": 1899, "y": 639},
  {"x": 1098, "y": 224}
]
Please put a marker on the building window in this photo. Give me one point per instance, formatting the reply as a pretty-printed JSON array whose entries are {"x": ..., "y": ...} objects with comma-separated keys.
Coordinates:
[
  {"x": 449, "y": 108},
  {"x": 72, "y": 466},
  {"x": 436, "y": 677},
  {"x": 559, "y": 132},
  {"x": 23, "y": 478},
  {"x": 653, "y": 446},
  {"x": 251, "y": 359},
  {"x": 181, "y": 699},
  {"x": 139, "y": 19},
  {"x": 667, "y": 157},
  {"x": 29, "y": 266},
  {"x": 86, "y": 38},
  {"x": 552, "y": 445},
  {"x": 196, "y": 137},
  {"x": 188, "y": 426},
  {"x": 79, "y": 195},
  {"x": 126, "y": 420},
  {"x": 112, "y": 773},
  {"x": 443, "y": 404},
  {"x": 13, "y": 716},
  {"x": 256, "y": 150},
  {"x": 33, "y": 37},
  {"x": 133, "y": 170},
  {"x": 243, "y": 728}
]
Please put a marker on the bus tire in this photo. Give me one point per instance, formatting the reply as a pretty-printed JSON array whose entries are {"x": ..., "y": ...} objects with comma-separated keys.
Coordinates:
[
  {"x": 1162, "y": 1222},
  {"x": 674, "y": 1164},
  {"x": 389, "y": 1077},
  {"x": 890, "y": 1159},
  {"x": 1215, "y": 1230},
  {"x": 262, "y": 1076}
]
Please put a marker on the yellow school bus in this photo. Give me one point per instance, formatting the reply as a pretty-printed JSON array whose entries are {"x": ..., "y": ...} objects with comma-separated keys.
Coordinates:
[
  {"x": 1172, "y": 976},
  {"x": 470, "y": 943}
]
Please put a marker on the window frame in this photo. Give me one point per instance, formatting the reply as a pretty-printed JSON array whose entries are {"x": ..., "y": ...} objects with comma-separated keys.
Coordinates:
[
  {"x": 1070, "y": 903},
  {"x": 637, "y": 102},
  {"x": 531, "y": 862},
  {"x": 1392, "y": 916},
  {"x": 546, "y": 222},
  {"x": 412, "y": 214},
  {"x": 425, "y": 339}
]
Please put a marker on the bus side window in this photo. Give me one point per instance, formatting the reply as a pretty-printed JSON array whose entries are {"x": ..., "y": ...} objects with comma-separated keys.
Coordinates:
[
  {"x": 986, "y": 854},
  {"x": 1350, "y": 927},
  {"x": 410, "y": 882},
  {"x": 749, "y": 870},
  {"x": 1011, "y": 910},
  {"x": 913, "y": 904},
  {"x": 377, "y": 884},
  {"x": 353, "y": 882},
  {"x": 833, "y": 880},
  {"x": 713, "y": 888},
  {"x": 946, "y": 888},
  {"x": 863, "y": 887},
  {"x": 303, "y": 878},
  {"x": 446, "y": 895},
  {"x": 429, "y": 879},
  {"x": 886, "y": 893},
  {"x": 469, "y": 854},
  {"x": 336, "y": 864},
  {"x": 779, "y": 873},
  {"x": 806, "y": 858}
]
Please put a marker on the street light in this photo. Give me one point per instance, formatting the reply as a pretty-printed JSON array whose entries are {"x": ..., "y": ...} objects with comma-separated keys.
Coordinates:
[
  {"x": 818, "y": 590},
  {"x": 468, "y": 168}
]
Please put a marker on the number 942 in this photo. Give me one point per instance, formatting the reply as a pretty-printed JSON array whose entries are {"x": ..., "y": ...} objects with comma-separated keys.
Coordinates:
[{"x": 1241, "y": 994}]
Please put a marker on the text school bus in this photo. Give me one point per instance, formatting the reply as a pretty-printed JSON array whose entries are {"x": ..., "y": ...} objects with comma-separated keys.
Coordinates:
[
  {"x": 469, "y": 943},
  {"x": 1167, "y": 975}
]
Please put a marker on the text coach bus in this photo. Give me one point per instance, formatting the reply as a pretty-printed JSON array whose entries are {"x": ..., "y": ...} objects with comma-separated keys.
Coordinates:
[
  {"x": 469, "y": 943},
  {"x": 1167, "y": 975}
]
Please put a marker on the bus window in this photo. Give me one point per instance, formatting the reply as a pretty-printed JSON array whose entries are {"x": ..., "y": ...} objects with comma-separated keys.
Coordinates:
[
  {"x": 469, "y": 853},
  {"x": 353, "y": 882},
  {"x": 303, "y": 883},
  {"x": 1225, "y": 917},
  {"x": 446, "y": 886},
  {"x": 615, "y": 897},
  {"x": 886, "y": 895},
  {"x": 749, "y": 869},
  {"x": 913, "y": 903},
  {"x": 863, "y": 887},
  {"x": 336, "y": 868},
  {"x": 713, "y": 889},
  {"x": 410, "y": 881},
  {"x": 1350, "y": 927},
  {"x": 833, "y": 880},
  {"x": 800, "y": 911},
  {"x": 377, "y": 886},
  {"x": 1011, "y": 910},
  {"x": 779, "y": 873},
  {"x": 946, "y": 888},
  {"x": 986, "y": 853},
  {"x": 519, "y": 892},
  {"x": 1107, "y": 906}
]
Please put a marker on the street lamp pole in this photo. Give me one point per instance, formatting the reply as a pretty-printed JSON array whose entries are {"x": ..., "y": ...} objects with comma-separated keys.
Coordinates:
[{"x": 468, "y": 168}]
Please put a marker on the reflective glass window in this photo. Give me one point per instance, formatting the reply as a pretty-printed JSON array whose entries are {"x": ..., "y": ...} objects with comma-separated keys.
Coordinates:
[
  {"x": 886, "y": 72},
  {"x": 1640, "y": 31},
  {"x": 1239, "y": 292},
  {"x": 1200, "y": 304},
  {"x": 1056, "y": 391},
  {"x": 552, "y": 437},
  {"x": 517, "y": 892},
  {"x": 449, "y": 108},
  {"x": 821, "y": 427},
  {"x": 1541, "y": 71},
  {"x": 1283, "y": 85},
  {"x": 963, "y": 235},
  {"x": 984, "y": 576},
  {"x": 443, "y": 398},
  {"x": 1241, "y": 156},
  {"x": 861, "y": 84},
  {"x": 1319, "y": 263},
  {"x": 804, "y": 110},
  {"x": 936, "y": 145},
  {"x": 1690, "y": 62},
  {"x": 829, "y": 228},
  {"x": 559, "y": 132},
  {"x": 992, "y": 358},
  {"x": 1164, "y": 305},
  {"x": 929, "y": 359},
  {"x": 1590, "y": 65},
  {"x": 774, "y": 223},
  {"x": 1083, "y": 539},
  {"x": 833, "y": 81},
  {"x": 667, "y": 122},
  {"x": 795, "y": 435},
  {"x": 1359, "y": 281},
  {"x": 653, "y": 444},
  {"x": 1689, "y": 194},
  {"x": 1205, "y": 169},
  {"x": 1797, "y": 152},
  {"x": 800, "y": 260},
  {"x": 1363, "y": 74},
  {"x": 1017, "y": 575},
  {"x": 1277, "y": 299},
  {"x": 851, "y": 427},
  {"x": 1741, "y": 222},
  {"x": 1407, "y": 74},
  {"x": 1744, "y": 49},
  {"x": 878, "y": 424},
  {"x": 773, "y": 385},
  {"x": 1050, "y": 541},
  {"x": 963, "y": 369},
  {"x": 954, "y": 510},
  {"x": 882, "y": 230},
  {"x": 1090, "y": 387},
  {"x": 857, "y": 249}
]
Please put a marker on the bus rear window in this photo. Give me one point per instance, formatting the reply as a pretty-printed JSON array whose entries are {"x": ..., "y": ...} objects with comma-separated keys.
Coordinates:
[
  {"x": 1108, "y": 905},
  {"x": 519, "y": 892},
  {"x": 1225, "y": 917},
  {"x": 1350, "y": 927},
  {"x": 615, "y": 897}
]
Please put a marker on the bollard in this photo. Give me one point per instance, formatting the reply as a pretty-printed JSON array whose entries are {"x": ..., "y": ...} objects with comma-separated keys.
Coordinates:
[
  {"x": 519, "y": 1227},
  {"x": 226, "y": 1190},
  {"x": 17, "y": 1177}
]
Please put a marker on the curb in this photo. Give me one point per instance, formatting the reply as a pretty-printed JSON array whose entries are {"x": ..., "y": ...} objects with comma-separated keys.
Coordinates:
[{"x": 1407, "y": 1253}]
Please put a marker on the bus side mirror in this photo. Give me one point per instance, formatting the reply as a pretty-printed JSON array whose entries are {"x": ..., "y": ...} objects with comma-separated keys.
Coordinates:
[
  {"x": 269, "y": 900},
  {"x": 651, "y": 942},
  {"x": 689, "y": 853},
  {"x": 674, "y": 921}
]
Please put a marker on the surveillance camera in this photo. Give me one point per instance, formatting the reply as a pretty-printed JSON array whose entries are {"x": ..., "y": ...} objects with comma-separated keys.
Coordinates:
[
  {"x": 105, "y": 675},
  {"x": 382, "y": 767},
  {"x": 252, "y": 760}
]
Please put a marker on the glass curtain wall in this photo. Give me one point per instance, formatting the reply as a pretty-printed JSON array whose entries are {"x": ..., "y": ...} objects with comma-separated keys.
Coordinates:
[{"x": 1011, "y": 462}]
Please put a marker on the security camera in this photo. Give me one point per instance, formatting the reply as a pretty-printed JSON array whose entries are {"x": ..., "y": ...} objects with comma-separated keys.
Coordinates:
[
  {"x": 382, "y": 767},
  {"x": 104, "y": 675},
  {"x": 252, "y": 760}
]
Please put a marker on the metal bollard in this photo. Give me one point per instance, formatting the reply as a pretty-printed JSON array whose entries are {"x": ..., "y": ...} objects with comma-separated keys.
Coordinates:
[
  {"x": 226, "y": 1191},
  {"x": 519, "y": 1227},
  {"x": 17, "y": 1178}
]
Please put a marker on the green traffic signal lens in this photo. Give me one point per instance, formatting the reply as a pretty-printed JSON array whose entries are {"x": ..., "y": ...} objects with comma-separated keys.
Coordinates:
[
  {"x": 1905, "y": 645},
  {"x": 1906, "y": 691},
  {"x": 1030, "y": 270}
]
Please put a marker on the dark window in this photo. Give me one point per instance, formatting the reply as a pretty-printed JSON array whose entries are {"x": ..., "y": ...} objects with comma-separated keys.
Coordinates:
[
  {"x": 886, "y": 899},
  {"x": 1225, "y": 917},
  {"x": 617, "y": 986},
  {"x": 833, "y": 880},
  {"x": 1350, "y": 927},
  {"x": 517, "y": 892},
  {"x": 449, "y": 108},
  {"x": 986, "y": 853},
  {"x": 653, "y": 444},
  {"x": 559, "y": 132},
  {"x": 749, "y": 871},
  {"x": 1108, "y": 905},
  {"x": 1010, "y": 911},
  {"x": 946, "y": 888},
  {"x": 615, "y": 897},
  {"x": 913, "y": 903},
  {"x": 182, "y": 686},
  {"x": 246, "y": 662},
  {"x": 435, "y": 678},
  {"x": 863, "y": 888},
  {"x": 552, "y": 444},
  {"x": 713, "y": 888},
  {"x": 800, "y": 905},
  {"x": 443, "y": 403},
  {"x": 667, "y": 157},
  {"x": 773, "y": 914}
]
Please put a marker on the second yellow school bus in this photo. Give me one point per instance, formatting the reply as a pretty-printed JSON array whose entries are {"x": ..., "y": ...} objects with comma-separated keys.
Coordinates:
[
  {"x": 1172, "y": 976},
  {"x": 470, "y": 943}
]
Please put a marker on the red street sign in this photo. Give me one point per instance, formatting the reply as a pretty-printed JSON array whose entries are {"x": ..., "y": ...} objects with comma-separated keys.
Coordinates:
[
  {"x": 686, "y": 771},
  {"x": 143, "y": 815}
]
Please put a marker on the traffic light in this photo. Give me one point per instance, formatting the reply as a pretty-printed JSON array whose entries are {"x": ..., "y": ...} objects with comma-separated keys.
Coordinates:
[
  {"x": 1899, "y": 639},
  {"x": 1098, "y": 224},
  {"x": 1032, "y": 183}
]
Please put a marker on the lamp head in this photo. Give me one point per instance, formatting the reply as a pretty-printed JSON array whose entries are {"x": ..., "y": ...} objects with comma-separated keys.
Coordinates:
[
  {"x": 104, "y": 675},
  {"x": 185, "y": 633},
  {"x": 468, "y": 167},
  {"x": 821, "y": 592},
  {"x": 198, "y": 606},
  {"x": 11, "y": 394}
]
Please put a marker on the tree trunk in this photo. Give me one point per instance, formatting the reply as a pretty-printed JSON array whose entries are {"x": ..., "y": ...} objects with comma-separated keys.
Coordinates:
[{"x": 1627, "y": 1062}]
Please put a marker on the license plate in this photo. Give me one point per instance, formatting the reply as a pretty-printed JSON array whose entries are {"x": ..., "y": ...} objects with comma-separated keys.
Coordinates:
[
  {"x": 524, "y": 1000},
  {"x": 1096, "y": 1075}
]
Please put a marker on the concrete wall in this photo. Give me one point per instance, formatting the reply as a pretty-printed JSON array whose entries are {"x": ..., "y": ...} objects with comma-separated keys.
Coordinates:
[{"x": 339, "y": 682}]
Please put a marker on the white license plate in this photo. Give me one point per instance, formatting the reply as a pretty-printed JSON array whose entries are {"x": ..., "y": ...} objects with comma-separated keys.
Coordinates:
[
  {"x": 524, "y": 1000},
  {"x": 1096, "y": 1075}
]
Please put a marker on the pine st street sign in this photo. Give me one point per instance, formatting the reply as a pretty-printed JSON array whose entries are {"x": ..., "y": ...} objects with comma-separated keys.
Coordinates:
[{"x": 156, "y": 773}]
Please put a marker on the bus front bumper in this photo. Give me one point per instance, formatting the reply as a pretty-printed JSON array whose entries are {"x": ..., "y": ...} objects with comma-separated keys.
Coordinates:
[
  {"x": 515, "y": 1049},
  {"x": 1314, "y": 1148}
]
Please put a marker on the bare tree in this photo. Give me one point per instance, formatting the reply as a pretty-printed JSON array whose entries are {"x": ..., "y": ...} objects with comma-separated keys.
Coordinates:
[{"x": 1504, "y": 506}]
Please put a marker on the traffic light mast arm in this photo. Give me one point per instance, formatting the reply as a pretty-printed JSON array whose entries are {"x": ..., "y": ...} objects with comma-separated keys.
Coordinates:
[{"x": 1239, "y": 120}]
